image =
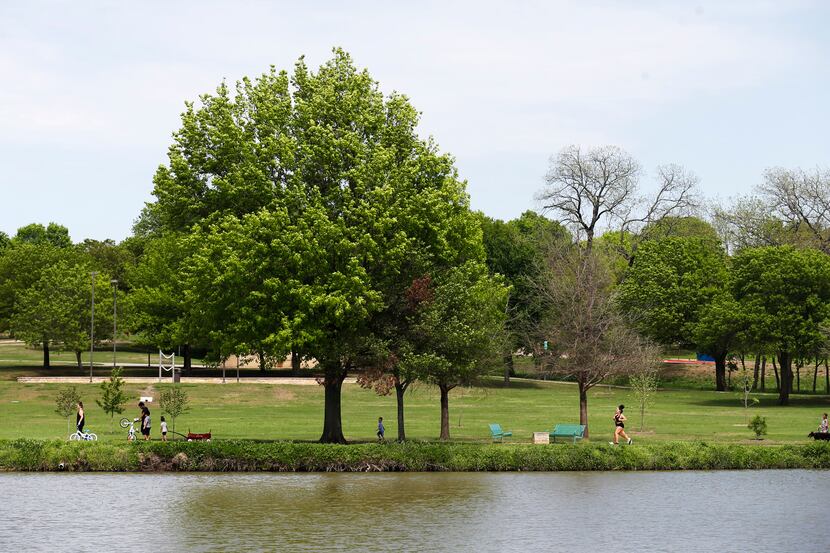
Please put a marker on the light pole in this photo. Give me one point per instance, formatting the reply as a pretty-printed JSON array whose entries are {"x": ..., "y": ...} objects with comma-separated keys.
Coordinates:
[
  {"x": 93, "y": 274},
  {"x": 114, "y": 283}
]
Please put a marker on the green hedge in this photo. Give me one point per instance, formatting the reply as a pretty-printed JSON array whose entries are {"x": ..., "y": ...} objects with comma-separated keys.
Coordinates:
[{"x": 36, "y": 455}]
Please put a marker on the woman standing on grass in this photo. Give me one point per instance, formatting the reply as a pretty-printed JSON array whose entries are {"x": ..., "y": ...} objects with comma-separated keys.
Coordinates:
[
  {"x": 619, "y": 426},
  {"x": 80, "y": 419}
]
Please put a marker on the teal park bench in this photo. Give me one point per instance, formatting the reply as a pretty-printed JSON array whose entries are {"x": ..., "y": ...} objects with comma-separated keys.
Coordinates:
[
  {"x": 574, "y": 431},
  {"x": 497, "y": 433}
]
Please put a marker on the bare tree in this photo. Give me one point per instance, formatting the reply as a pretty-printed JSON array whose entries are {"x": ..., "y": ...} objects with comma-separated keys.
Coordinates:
[
  {"x": 746, "y": 222},
  {"x": 600, "y": 189},
  {"x": 801, "y": 200},
  {"x": 590, "y": 339}
]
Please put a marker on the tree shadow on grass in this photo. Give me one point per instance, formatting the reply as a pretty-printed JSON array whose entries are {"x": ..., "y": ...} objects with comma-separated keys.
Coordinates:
[
  {"x": 769, "y": 400},
  {"x": 517, "y": 384}
]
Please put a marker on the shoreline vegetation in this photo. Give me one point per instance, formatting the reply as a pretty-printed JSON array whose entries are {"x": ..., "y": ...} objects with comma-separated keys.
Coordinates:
[{"x": 26, "y": 455}]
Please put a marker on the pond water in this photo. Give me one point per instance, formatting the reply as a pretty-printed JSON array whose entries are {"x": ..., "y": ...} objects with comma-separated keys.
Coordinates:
[{"x": 593, "y": 512}]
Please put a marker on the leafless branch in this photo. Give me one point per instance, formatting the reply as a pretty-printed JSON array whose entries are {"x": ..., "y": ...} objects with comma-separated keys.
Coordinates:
[{"x": 599, "y": 188}]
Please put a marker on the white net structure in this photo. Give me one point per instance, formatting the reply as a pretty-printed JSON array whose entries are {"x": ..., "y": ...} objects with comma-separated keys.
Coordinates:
[{"x": 167, "y": 363}]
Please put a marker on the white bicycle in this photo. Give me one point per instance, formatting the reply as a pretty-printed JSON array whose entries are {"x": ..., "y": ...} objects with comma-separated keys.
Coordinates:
[
  {"x": 86, "y": 436},
  {"x": 125, "y": 422}
]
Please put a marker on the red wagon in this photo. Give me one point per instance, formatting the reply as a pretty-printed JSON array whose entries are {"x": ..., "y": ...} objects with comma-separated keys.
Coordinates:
[{"x": 192, "y": 436}]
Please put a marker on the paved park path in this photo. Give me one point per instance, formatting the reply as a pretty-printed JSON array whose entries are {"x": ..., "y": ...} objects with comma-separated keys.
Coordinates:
[{"x": 288, "y": 381}]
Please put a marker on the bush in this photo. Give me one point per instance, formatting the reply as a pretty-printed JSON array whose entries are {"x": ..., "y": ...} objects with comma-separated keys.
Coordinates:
[
  {"x": 66, "y": 401},
  {"x": 227, "y": 456},
  {"x": 174, "y": 402},
  {"x": 758, "y": 425},
  {"x": 113, "y": 396}
]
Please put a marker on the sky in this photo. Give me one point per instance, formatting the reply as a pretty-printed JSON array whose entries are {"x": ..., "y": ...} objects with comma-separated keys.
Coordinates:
[{"x": 90, "y": 92}]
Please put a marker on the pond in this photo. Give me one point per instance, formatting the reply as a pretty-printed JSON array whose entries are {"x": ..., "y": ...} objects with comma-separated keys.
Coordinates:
[{"x": 758, "y": 511}]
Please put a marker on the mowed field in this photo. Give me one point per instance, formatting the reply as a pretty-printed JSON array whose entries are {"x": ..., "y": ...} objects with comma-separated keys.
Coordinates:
[{"x": 295, "y": 412}]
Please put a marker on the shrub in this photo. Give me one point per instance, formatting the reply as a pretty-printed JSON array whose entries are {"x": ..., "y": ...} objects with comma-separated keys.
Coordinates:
[
  {"x": 174, "y": 402},
  {"x": 66, "y": 402},
  {"x": 222, "y": 456},
  {"x": 758, "y": 425},
  {"x": 113, "y": 396}
]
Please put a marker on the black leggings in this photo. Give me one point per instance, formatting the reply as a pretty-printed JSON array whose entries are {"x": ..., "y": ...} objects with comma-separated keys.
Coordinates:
[{"x": 81, "y": 426}]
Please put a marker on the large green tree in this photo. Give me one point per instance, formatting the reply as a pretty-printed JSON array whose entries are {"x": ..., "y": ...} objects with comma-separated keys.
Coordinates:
[
  {"x": 338, "y": 203},
  {"x": 52, "y": 234},
  {"x": 677, "y": 293},
  {"x": 23, "y": 257},
  {"x": 787, "y": 294},
  {"x": 156, "y": 309},
  {"x": 56, "y": 309},
  {"x": 458, "y": 329}
]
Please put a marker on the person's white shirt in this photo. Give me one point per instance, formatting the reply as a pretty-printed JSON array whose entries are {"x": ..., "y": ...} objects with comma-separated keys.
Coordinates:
[{"x": 164, "y": 426}]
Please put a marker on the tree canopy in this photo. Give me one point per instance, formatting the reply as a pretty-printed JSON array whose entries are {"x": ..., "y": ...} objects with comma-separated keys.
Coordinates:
[
  {"x": 786, "y": 291},
  {"x": 677, "y": 293},
  {"x": 308, "y": 204}
]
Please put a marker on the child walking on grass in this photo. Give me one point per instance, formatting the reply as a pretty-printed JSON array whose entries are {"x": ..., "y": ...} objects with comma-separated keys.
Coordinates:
[
  {"x": 381, "y": 430},
  {"x": 163, "y": 429}
]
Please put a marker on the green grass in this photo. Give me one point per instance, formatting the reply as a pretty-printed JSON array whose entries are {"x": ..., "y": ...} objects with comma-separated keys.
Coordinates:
[
  {"x": 17, "y": 354},
  {"x": 285, "y": 412},
  {"x": 39, "y": 455}
]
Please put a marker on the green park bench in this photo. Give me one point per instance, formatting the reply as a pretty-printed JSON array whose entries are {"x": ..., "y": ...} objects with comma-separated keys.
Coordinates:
[
  {"x": 574, "y": 431},
  {"x": 497, "y": 433}
]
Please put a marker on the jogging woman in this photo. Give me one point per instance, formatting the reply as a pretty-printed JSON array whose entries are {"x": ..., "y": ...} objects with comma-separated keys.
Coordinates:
[{"x": 619, "y": 426}]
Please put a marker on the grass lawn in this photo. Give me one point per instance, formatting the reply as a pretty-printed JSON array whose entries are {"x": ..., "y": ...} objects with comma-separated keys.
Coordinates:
[
  {"x": 286, "y": 412},
  {"x": 19, "y": 354}
]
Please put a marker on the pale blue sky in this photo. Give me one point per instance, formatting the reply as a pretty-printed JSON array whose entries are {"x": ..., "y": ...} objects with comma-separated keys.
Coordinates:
[{"x": 91, "y": 91}]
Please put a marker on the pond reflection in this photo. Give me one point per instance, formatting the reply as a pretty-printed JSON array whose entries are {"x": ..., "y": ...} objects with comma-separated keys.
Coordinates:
[{"x": 618, "y": 512}]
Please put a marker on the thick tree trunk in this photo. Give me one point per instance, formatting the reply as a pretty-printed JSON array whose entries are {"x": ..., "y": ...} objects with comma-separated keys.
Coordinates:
[
  {"x": 508, "y": 368},
  {"x": 815, "y": 374},
  {"x": 188, "y": 360},
  {"x": 755, "y": 371},
  {"x": 46, "y": 354},
  {"x": 400, "y": 390},
  {"x": 764, "y": 373},
  {"x": 332, "y": 425},
  {"x": 583, "y": 408},
  {"x": 445, "y": 412},
  {"x": 78, "y": 359},
  {"x": 187, "y": 363},
  {"x": 720, "y": 372},
  {"x": 777, "y": 378},
  {"x": 798, "y": 364},
  {"x": 786, "y": 379},
  {"x": 262, "y": 363},
  {"x": 826, "y": 377},
  {"x": 296, "y": 361}
]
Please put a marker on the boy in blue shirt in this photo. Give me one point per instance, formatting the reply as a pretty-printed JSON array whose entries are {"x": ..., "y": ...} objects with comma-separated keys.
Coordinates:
[{"x": 381, "y": 430}]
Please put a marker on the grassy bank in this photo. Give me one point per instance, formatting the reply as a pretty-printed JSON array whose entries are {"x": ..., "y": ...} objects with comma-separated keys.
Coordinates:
[
  {"x": 289, "y": 412},
  {"x": 36, "y": 455}
]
